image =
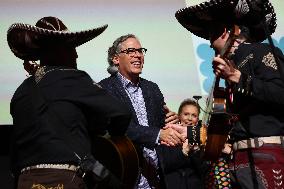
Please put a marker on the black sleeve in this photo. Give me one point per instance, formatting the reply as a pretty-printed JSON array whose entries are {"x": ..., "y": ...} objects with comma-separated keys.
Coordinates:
[
  {"x": 142, "y": 135},
  {"x": 138, "y": 133},
  {"x": 261, "y": 80},
  {"x": 172, "y": 158},
  {"x": 148, "y": 136},
  {"x": 97, "y": 104}
]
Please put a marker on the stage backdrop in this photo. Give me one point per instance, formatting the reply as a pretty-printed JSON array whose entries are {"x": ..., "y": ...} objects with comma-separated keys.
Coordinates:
[{"x": 176, "y": 60}]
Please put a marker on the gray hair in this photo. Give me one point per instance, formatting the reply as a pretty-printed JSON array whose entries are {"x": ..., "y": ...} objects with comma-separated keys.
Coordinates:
[{"x": 115, "y": 49}]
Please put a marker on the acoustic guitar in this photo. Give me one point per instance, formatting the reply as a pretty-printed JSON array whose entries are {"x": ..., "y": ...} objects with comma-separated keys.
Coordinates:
[
  {"x": 217, "y": 117},
  {"x": 118, "y": 154}
]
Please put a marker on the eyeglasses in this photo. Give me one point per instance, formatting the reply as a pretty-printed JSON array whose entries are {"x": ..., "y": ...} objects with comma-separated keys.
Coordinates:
[{"x": 132, "y": 51}]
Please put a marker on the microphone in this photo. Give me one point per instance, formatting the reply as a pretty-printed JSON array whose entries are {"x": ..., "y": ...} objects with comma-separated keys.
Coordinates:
[{"x": 197, "y": 97}]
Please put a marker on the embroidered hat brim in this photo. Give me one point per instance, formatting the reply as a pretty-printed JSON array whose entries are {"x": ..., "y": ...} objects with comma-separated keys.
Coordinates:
[
  {"x": 200, "y": 19},
  {"x": 26, "y": 41}
]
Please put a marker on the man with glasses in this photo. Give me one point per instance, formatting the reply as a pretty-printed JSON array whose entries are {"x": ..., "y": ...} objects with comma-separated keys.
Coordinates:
[{"x": 146, "y": 102}]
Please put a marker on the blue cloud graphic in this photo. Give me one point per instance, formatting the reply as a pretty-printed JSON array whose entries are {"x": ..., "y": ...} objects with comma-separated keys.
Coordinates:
[{"x": 205, "y": 53}]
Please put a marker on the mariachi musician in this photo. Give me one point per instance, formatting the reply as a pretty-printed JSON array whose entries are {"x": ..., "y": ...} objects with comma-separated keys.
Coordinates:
[
  {"x": 253, "y": 72},
  {"x": 58, "y": 110}
]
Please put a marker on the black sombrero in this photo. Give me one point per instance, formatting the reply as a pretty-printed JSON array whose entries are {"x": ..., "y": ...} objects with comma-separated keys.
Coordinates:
[
  {"x": 198, "y": 19},
  {"x": 26, "y": 41}
]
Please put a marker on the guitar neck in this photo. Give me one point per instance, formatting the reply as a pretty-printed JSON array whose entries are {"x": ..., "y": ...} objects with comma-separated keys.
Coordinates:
[{"x": 209, "y": 102}]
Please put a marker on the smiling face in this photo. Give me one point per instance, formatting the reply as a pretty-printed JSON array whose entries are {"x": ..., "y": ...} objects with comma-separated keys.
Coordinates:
[
  {"x": 129, "y": 65},
  {"x": 189, "y": 115}
]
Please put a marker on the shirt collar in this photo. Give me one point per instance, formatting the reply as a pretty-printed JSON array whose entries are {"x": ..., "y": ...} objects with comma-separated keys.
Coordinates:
[{"x": 126, "y": 82}]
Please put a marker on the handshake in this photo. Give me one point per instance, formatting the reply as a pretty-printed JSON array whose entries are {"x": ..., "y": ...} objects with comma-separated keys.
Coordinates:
[
  {"x": 173, "y": 133},
  {"x": 181, "y": 132}
]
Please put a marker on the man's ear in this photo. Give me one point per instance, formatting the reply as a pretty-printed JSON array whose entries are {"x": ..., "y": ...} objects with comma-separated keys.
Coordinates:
[
  {"x": 224, "y": 33},
  {"x": 115, "y": 60}
]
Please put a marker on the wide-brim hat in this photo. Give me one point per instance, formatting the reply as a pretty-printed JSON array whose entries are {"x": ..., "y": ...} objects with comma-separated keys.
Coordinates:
[
  {"x": 26, "y": 41},
  {"x": 202, "y": 18}
]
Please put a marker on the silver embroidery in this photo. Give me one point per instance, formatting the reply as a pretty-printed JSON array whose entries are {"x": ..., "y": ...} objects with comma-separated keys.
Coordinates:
[
  {"x": 242, "y": 8},
  {"x": 259, "y": 172},
  {"x": 278, "y": 183},
  {"x": 58, "y": 24},
  {"x": 268, "y": 18},
  {"x": 269, "y": 61},
  {"x": 276, "y": 171},
  {"x": 49, "y": 24},
  {"x": 52, "y": 26},
  {"x": 277, "y": 175},
  {"x": 40, "y": 72},
  {"x": 250, "y": 56}
]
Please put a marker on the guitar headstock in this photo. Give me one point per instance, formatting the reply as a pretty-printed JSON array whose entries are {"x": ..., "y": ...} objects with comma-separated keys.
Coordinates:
[
  {"x": 233, "y": 34},
  {"x": 30, "y": 66}
]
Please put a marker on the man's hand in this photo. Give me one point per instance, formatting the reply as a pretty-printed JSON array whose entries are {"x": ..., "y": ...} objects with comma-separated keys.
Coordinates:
[
  {"x": 171, "y": 137},
  {"x": 224, "y": 69},
  {"x": 179, "y": 128},
  {"x": 171, "y": 117},
  {"x": 227, "y": 148}
]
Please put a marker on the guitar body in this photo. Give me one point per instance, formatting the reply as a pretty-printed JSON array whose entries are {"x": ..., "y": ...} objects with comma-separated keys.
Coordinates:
[
  {"x": 219, "y": 125},
  {"x": 119, "y": 155},
  {"x": 217, "y": 135}
]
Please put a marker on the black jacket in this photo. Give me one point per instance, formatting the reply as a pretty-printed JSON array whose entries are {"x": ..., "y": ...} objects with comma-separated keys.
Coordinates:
[
  {"x": 180, "y": 171},
  {"x": 63, "y": 100},
  {"x": 259, "y": 96},
  {"x": 154, "y": 102}
]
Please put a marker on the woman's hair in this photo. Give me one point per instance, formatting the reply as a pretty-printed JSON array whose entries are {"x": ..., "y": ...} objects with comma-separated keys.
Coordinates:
[{"x": 186, "y": 102}]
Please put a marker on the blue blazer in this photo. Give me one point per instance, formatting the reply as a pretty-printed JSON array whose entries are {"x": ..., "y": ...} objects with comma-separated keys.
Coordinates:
[{"x": 154, "y": 102}]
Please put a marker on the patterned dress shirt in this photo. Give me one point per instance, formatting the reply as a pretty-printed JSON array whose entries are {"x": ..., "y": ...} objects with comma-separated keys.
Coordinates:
[{"x": 134, "y": 92}]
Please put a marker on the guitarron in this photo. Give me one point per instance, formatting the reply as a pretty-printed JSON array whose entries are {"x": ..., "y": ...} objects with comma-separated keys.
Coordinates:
[
  {"x": 118, "y": 154},
  {"x": 217, "y": 117}
]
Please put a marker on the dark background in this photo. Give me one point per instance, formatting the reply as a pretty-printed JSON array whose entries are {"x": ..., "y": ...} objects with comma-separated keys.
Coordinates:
[{"x": 6, "y": 179}]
